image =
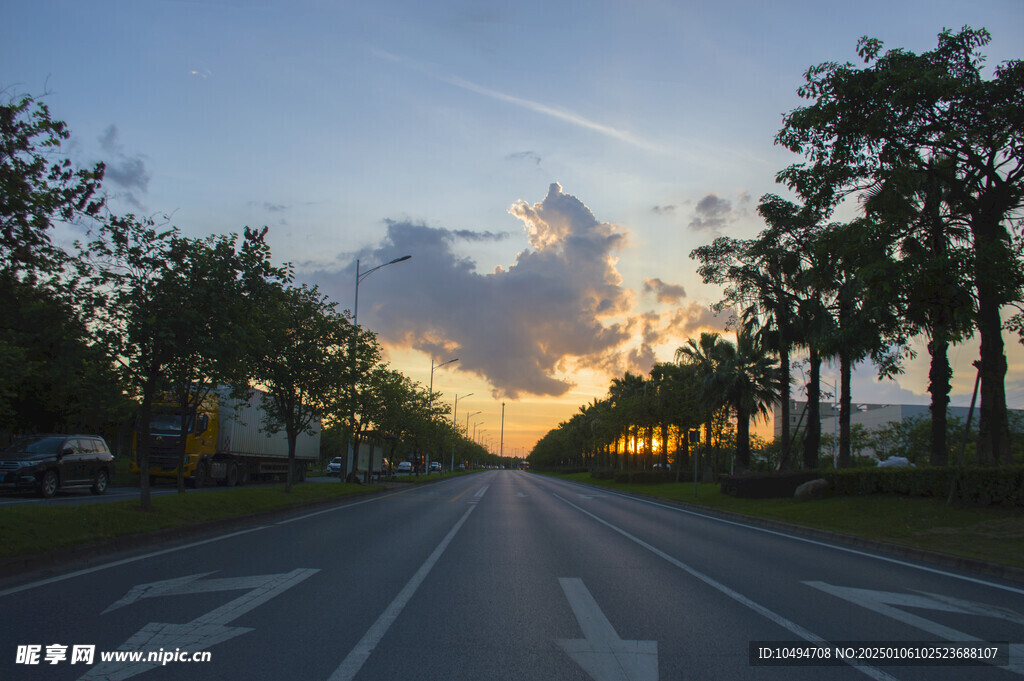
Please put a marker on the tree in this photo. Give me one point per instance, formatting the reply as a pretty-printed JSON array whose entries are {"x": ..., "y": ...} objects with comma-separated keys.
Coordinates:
[
  {"x": 853, "y": 266},
  {"x": 929, "y": 283},
  {"x": 746, "y": 376},
  {"x": 760, "y": 283},
  {"x": 38, "y": 188},
  {"x": 217, "y": 285},
  {"x": 130, "y": 268},
  {"x": 901, "y": 113},
  {"x": 705, "y": 357},
  {"x": 627, "y": 396},
  {"x": 46, "y": 357},
  {"x": 301, "y": 361}
]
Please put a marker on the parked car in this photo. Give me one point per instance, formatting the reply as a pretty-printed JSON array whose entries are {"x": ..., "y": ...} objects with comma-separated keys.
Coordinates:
[
  {"x": 895, "y": 462},
  {"x": 435, "y": 466},
  {"x": 334, "y": 467},
  {"x": 404, "y": 467},
  {"x": 53, "y": 462}
]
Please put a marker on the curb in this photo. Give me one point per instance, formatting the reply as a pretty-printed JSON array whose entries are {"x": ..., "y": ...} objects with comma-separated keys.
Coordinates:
[
  {"x": 86, "y": 554},
  {"x": 889, "y": 549}
]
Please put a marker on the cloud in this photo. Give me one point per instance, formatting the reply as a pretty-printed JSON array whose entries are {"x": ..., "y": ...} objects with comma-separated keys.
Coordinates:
[
  {"x": 713, "y": 213},
  {"x": 127, "y": 172},
  {"x": 565, "y": 115},
  {"x": 665, "y": 293},
  {"x": 531, "y": 156},
  {"x": 664, "y": 210},
  {"x": 561, "y": 304}
]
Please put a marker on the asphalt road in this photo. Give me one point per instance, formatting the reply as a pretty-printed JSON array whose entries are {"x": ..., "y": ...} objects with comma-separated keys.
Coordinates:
[{"x": 504, "y": 575}]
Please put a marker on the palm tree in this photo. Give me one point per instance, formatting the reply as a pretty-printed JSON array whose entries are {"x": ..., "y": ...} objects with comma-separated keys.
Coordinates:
[
  {"x": 627, "y": 395},
  {"x": 704, "y": 356},
  {"x": 747, "y": 376}
]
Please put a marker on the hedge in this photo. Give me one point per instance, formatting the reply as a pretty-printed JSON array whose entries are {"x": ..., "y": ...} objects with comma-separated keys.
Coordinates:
[
  {"x": 975, "y": 486},
  {"x": 766, "y": 485}
]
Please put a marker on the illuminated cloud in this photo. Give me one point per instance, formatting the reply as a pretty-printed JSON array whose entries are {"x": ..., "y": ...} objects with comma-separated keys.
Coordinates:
[{"x": 560, "y": 304}]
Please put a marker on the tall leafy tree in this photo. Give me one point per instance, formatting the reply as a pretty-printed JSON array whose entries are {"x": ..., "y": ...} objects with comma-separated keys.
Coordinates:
[
  {"x": 929, "y": 283},
  {"x": 900, "y": 113},
  {"x": 46, "y": 356},
  {"x": 131, "y": 268},
  {"x": 38, "y": 188},
  {"x": 759, "y": 276},
  {"x": 218, "y": 284},
  {"x": 301, "y": 360}
]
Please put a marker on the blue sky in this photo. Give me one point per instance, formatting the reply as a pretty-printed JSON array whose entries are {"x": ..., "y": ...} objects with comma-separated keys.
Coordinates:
[{"x": 549, "y": 165}]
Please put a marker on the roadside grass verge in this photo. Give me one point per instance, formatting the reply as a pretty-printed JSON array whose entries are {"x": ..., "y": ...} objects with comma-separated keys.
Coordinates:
[
  {"x": 36, "y": 529},
  {"x": 993, "y": 534}
]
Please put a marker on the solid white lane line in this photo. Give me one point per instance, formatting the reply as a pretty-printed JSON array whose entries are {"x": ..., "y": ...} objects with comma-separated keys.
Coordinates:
[
  {"x": 772, "y": 616},
  {"x": 125, "y": 561},
  {"x": 816, "y": 542},
  {"x": 357, "y": 657}
]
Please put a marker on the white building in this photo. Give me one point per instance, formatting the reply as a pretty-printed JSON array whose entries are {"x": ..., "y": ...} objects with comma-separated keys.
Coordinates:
[{"x": 872, "y": 416}]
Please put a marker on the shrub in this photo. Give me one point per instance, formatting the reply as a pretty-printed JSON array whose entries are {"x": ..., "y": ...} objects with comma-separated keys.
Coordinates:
[
  {"x": 645, "y": 477},
  {"x": 975, "y": 486},
  {"x": 766, "y": 485}
]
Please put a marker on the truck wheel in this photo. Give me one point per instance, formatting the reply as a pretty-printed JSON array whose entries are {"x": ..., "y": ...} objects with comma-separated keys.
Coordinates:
[
  {"x": 232, "y": 478},
  {"x": 199, "y": 476},
  {"x": 99, "y": 485},
  {"x": 48, "y": 484}
]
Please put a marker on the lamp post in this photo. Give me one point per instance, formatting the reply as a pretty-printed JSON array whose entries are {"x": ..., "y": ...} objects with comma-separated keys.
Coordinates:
[
  {"x": 355, "y": 323},
  {"x": 430, "y": 402},
  {"x": 455, "y": 412},
  {"x": 501, "y": 442},
  {"x": 467, "y": 422}
]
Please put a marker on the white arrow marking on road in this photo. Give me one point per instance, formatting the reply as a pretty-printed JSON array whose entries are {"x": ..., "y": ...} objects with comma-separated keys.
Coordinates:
[
  {"x": 589, "y": 496},
  {"x": 601, "y": 653},
  {"x": 883, "y": 602},
  {"x": 201, "y": 633}
]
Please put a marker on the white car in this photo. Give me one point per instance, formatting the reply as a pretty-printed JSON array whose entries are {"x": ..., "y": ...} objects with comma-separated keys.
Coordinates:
[
  {"x": 334, "y": 467},
  {"x": 895, "y": 462},
  {"x": 404, "y": 467}
]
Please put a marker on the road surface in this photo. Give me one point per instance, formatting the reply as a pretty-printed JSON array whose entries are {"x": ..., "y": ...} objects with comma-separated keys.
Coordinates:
[{"x": 504, "y": 575}]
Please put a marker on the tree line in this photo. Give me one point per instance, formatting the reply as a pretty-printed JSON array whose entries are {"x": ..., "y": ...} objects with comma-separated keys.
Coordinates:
[
  {"x": 92, "y": 334},
  {"x": 926, "y": 154}
]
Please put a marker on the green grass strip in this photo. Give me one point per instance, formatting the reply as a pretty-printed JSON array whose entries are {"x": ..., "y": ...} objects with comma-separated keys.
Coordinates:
[{"x": 35, "y": 529}]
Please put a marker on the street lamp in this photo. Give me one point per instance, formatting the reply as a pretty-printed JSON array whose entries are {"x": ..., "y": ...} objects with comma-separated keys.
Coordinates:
[
  {"x": 352, "y": 461},
  {"x": 467, "y": 421},
  {"x": 430, "y": 401},
  {"x": 364, "y": 275},
  {"x": 455, "y": 412}
]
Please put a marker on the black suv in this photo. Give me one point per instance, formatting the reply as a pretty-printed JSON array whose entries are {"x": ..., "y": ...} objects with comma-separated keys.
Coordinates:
[{"x": 52, "y": 462}]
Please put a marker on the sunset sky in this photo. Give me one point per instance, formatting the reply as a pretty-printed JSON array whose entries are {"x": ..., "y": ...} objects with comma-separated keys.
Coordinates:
[{"x": 548, "y": 165}]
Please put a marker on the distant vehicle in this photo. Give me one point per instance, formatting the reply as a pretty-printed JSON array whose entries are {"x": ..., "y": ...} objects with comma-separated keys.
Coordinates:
[
  {"x": 896, "y": 462},
  {"x": 404, "y": 467},
  {"x": 334, "y": 467},
  {"x": 462, "y": 466},
  {"x": 435, "y": 466},
  {"x": 53, "y": 462},
  {"x": 224, "y": 441}
]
